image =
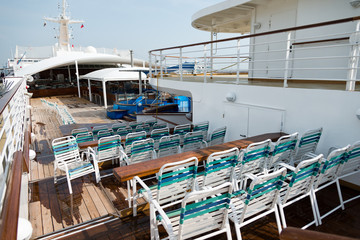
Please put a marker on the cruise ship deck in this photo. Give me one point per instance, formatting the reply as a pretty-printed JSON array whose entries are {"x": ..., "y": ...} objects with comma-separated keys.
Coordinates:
[{"x": 99, "y": 211}]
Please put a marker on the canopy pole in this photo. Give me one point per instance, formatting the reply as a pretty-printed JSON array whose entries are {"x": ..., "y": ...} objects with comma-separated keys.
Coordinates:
[
  {"x": 140, "y": 83},
  {"x": 104, "y": 93},
  {"x": 77, "y": 78},
  {"x": 90, "y": 94}
]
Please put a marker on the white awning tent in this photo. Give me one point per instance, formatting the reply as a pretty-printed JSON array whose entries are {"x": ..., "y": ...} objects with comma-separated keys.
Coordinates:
[{"x": 115, "y": 74}]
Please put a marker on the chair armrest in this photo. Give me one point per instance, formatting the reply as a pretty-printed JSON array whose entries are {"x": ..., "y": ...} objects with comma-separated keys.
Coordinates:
[
  {"x": 57, "y": 161},
  {"x": 124, "y": 157},
  {"x": 136, "y": 179},
  {"x": 287, "y": 166},
  {"x": 165, "y": 221},
  {"x": 204, "y": 143}
]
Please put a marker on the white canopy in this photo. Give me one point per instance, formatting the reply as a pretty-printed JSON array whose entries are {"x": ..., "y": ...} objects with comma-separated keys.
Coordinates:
[{"x": 115, "y": 74}]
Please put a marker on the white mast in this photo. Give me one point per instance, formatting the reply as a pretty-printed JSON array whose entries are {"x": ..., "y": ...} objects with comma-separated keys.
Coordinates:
[{"x": 64, "y": 21}]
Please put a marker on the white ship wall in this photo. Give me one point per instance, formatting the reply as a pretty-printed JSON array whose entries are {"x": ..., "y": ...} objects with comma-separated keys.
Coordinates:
[{"x": 259, "y": 110}]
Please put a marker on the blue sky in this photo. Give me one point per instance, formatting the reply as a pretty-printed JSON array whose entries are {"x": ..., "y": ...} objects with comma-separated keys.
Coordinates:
[{"x": 140, "y": 25}]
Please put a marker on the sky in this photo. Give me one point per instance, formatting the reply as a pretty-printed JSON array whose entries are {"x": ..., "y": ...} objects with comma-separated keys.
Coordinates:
[{"x": 140, "y": 25}]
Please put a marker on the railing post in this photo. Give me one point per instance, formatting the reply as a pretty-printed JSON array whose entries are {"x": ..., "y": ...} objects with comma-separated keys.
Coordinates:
[
  {"x": 353, "y": 58},
  {"x": 180, "y": 65},
  {"x": 211, "y": 55},
  {"x": 77, "y": 78},
  {"x": 238, "y": 63},
  {"x": 287, "y": 58},
  {"x": 156, "y": 66},
  {"x": 150, "y": 69},
  {"x": 205, "y": 63},
  {"x": 161, "y": 65}
]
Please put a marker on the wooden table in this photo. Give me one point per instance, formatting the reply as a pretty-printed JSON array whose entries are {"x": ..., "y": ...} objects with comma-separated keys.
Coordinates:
[{"x": 142, "y": 169}]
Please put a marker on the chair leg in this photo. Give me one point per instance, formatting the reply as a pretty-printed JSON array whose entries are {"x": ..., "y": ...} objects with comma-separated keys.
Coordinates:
[
  {"x": 55, "y": 179},
  {"x": 282, "y": 215},
  {"x": 129, "y": 192},
  {"x": 312, "y": 192},
  {"x": 69, "y": 185},
  {"x": 314, "y": 207},
  {"x": 340, "y": 194},
  {"x": 237, "y": 230},
  {"x": 277, "y": 218}
]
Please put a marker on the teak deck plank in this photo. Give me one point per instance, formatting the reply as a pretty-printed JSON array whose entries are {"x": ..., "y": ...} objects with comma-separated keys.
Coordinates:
[
  {"x": 125, "y": 173},
  {"x": 36, "y": 218},
  {"x": 96, "y": 199},
  {"x": 54, "y": 206},
  {"x": 109, "y": 208},
  {"x": 93, "y": 212},
  {"x": 45, "y": 208}
]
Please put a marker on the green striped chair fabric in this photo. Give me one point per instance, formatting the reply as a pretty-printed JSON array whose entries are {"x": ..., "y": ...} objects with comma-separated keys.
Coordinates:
[
  {"x": 142, "y": 150},
  {"x": 116, "y": 126},
  {"x": 169, "y": 145},
  {"x": 156, "y": 134},
  {"x": 220, "y": 168},
  {"x": 202, "y": 126},
  {"x": 123, "y": 131},
  {"x": 193, "y": 141},
  {"x": 253, "y": 159},
  {"x": 143, "y": 127},
  {"x": 217, "y": 136},
  {"x": 109, "y": 148},
  {"x": 284, "y": 150},
  {"x": 182, "y": 130},
  {"x": 307, "y": 144},
  {"x": 96, "y": 129},
  {"x": 202, "y": 214},
  {"x": 104, "y": 133},
  {"x": 84, "y": 137},
  {"x": 174, "y": 181},
  {"x": 132, "y": 137},
  {"x": 77, "y": 131},
  {"x": 160, "y": 125}
]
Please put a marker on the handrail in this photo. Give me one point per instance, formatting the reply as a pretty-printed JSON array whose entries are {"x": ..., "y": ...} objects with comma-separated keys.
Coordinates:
[
  {"x": 343, "y": 20},
  {"x": 4, "y": 101},
  {"x": 291, "y": 233},
  {"x": 10, "y": 211}
]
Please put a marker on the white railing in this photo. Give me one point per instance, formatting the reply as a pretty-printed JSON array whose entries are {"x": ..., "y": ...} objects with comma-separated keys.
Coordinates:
[
  {"x": 12, "y": 128},
  {"x": 327, "y": 51}
]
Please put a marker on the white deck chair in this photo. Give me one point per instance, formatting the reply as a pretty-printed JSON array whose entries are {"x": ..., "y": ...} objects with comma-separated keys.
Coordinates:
[
  {"x": 132, "y": 137},
  {"x": 182, "y": 130},
  {"x": 156, "y": 134},
  {"x": 329, "y": 172},
  {"x": 96, "y": 129},
  {"x": 160, "y": 125},
  {"x": 192, "y": 221},
  {"x": 68, "y": 160},
  {"x": 109, "y": 149},
  {"x": 253, "y": 159},
  {"x": 258, "y": 200},
  {"x": 307, "y": 144},
  {"x": 217, "y": 136},
  {"x": 351, "y": 165},
  {"x": 193, "y": 141},
  {"x": 202, "y": 126},
  {"x": 284, "y": 150},
  {"x": 169, "y": 145},
  {"x": 175, "y": 180},
  {"x": 298, "y": 185},
  {"x": 104, "y": 133},
  {"x": 220, "y": 168},
  {"x": 116, "y": 126},
  {"x": 77, "y": 131}
]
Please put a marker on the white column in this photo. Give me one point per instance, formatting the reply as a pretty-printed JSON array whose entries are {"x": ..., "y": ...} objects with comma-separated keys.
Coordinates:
[
  {"x": 287, "y": 58},
  {"x": 205, "y": 63},
  {"x": 104, "y": 93},
  {"x": 238, "y": 63},
  {"x": 90, "y": 94},
  {"x": 140, "y": 83},
  {"x": 180, "y": 65},
  {"x": 211, "y": 54},
  {"x": 354, "y": 58},
  {"x": 77, "y": 78},
  {"x": 69, "y": 73},
  {"x": 161, "y": 65}
]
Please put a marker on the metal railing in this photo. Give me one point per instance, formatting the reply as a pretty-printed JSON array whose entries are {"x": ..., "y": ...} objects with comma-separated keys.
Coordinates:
[
  {"x": 12, "y": 128},
  {"x": 327, "y": 51}
]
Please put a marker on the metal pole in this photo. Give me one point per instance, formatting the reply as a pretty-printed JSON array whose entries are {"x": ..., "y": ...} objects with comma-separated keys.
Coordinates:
[
  {"x": 131, "y": 58},
  {"x": 69, "y": 73},
  {"x": 140, "y": 83},
  {"x": 104, "y": 93},
  {"x": 150, "y": 69},
  {"x": 238, "y": 63},
  {"x": 211, "y": 55},
  {"x": 90, "y": 94},
  {"x": 180, "y": 65},
  {"x": 77, "y": 78},
  {"x": 205, "y": 63},
  {"x": 161, "y": 65},
  {"x": 287, "y": 58},
  {"x": 353, "y": 59}
]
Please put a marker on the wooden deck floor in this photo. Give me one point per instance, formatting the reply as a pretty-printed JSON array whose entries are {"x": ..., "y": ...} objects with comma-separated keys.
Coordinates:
[{"x": 52, "y": 208}]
